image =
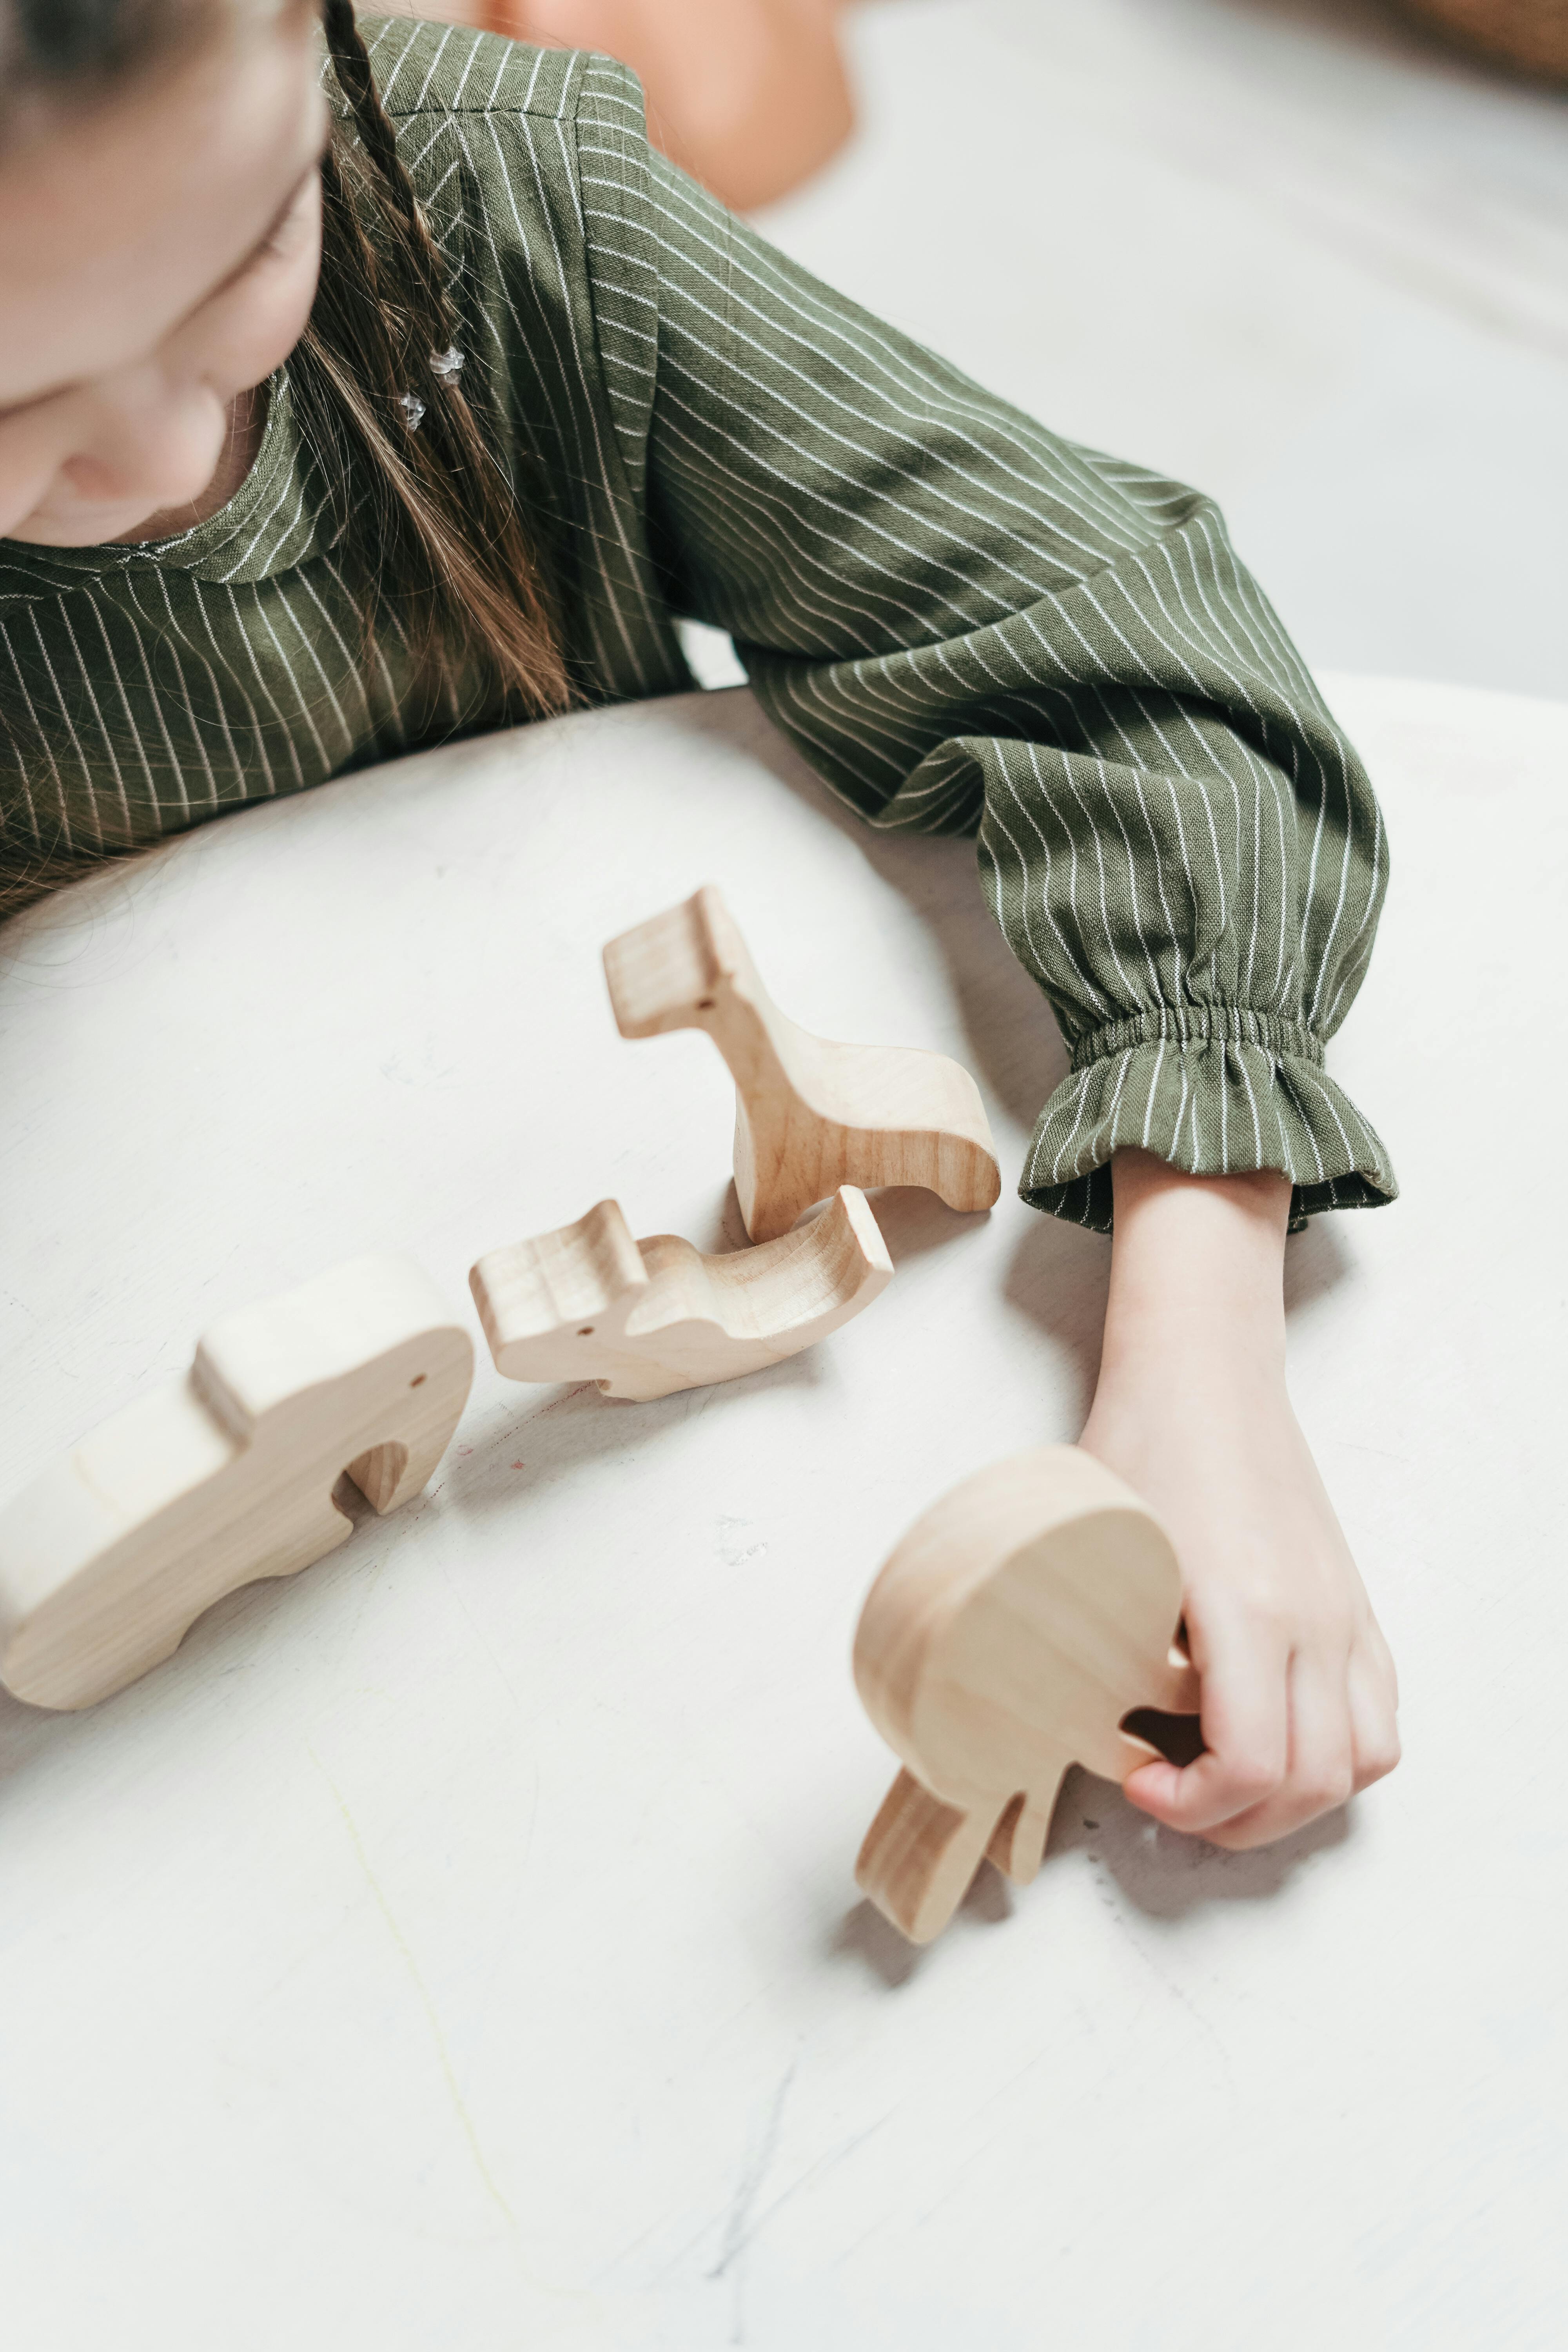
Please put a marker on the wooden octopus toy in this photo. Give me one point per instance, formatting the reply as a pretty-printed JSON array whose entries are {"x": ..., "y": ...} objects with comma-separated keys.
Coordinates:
[
  {"x": 810, "y": 1116},
  {"x": 1021, "y": 1619}
]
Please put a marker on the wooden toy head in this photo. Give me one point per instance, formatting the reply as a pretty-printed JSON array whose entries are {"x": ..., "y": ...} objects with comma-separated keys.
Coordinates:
[
  {"x": 685, "y": 969},
  {"x": 1009, "y": 1634},
  {"x": 556, "y": 1308}
]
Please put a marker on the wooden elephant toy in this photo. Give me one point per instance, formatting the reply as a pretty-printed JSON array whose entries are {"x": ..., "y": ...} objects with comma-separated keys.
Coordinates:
[{"x": 225, "y": 1475}]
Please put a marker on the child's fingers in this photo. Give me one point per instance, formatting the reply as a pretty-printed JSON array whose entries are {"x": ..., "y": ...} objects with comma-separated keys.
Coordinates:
[
  {"x": 1382, "y": 1659},
  {"x": 1245, "y": 1720},
  {"x": 1319, "y": 1771},
  {"x": 1374, "y": 1704}
]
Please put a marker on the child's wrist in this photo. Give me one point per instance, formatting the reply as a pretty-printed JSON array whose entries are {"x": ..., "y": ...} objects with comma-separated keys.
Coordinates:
[{"x": 1197, "y": 1266}]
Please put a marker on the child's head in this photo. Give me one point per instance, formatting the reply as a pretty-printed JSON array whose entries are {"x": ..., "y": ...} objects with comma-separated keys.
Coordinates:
[
  {"x": 178, "y": 217},
  {"x": 160, "y": 239}
]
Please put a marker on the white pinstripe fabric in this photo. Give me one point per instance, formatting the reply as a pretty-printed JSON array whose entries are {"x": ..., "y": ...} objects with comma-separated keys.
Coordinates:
[{"x": 966, "y": 624}]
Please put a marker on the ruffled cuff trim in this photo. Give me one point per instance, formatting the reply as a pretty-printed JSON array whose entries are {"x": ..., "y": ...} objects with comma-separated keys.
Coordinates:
[{"x": 1215, "y": 1091}]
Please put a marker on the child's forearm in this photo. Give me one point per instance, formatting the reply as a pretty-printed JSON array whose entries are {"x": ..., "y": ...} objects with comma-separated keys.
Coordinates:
[{"x": 1299, "y": 1691}]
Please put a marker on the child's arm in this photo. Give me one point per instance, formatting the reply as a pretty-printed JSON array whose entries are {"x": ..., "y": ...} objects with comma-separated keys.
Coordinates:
[
  {"x": 1299, "y": 1690},
  {"x": 969, "y": 625}
]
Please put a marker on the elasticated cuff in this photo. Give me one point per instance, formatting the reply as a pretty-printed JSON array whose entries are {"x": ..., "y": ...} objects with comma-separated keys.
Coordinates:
[{"x": 1215, "y": 1091}]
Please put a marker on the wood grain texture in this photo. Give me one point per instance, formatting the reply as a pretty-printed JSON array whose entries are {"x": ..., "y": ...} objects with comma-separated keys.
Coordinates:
[
  {"x": 810, "y": 1116},
  {"x": 227, "y": 1475},
  {"x": 645, "y": 1318},
  {"x": 1021, "y": 1618}
]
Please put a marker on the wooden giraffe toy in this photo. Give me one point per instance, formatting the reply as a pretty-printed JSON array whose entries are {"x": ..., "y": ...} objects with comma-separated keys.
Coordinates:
[
  {"x": 227, "y": 1475},
  {"x": 1011, "y": 1631},
  {"x": 809, "y": 1116},
  {"x": 645, "y": 1319}
]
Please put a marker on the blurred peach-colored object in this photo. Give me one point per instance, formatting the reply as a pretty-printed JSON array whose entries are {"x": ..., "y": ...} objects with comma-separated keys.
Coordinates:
[
  {"x": 1532, "y": 34},
  {"x": 749, "y": 96}
]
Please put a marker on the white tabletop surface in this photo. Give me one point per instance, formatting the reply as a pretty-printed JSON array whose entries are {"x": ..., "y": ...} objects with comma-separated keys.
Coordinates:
[{"x": 457, "y": 1945}]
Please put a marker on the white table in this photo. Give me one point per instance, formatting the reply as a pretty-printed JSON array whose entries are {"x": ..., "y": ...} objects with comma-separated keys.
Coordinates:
[{"x": 457, "y": 1945}]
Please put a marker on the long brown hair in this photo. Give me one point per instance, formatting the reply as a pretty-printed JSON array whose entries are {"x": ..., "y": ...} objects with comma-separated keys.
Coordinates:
[
  {"x": 446, "y": 540},
  {"x": 433, "y": 526}
]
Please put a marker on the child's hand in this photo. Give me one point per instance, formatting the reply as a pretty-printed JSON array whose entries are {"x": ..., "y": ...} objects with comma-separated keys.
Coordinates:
[{"x": 1299, "y": 1691}]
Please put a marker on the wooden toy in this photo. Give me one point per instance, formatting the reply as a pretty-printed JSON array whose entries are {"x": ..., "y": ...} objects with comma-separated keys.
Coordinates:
[
  {"x": 1011, "y": 1631},
  {"x": 227, "y": 1475},
  {"x": 645, "y": 1319},
  {"x": 809, "y": 1116}
]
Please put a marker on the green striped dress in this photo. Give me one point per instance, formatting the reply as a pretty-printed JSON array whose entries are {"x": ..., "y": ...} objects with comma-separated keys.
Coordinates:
[{"x": 965, "y": 623}]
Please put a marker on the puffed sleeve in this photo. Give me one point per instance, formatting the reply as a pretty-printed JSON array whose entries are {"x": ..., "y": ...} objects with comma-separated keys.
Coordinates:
[{"x": 968, "y": 625}]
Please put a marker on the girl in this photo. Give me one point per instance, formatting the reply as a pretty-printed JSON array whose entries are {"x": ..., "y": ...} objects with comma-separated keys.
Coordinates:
[{"x": 331, "y": 424}]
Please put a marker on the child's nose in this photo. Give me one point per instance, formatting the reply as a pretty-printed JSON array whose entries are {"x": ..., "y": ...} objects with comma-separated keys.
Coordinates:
[{"x": 157, "y": 443}]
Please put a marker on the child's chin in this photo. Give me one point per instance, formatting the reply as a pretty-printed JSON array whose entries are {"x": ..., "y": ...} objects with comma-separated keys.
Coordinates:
[{"x": 87, "y": 526}]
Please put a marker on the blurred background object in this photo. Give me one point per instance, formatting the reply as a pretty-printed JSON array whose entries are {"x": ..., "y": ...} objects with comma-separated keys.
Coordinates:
[
  {"x": 1303, "y": 253},
  {"x": 1531, "y": 34},
  {"x": 749, "y": 96},
  {"x": 1307, "y": 254}
]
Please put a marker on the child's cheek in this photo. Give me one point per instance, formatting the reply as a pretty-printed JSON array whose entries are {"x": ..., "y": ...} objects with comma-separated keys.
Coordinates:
[{"x": 258, "y": 325}]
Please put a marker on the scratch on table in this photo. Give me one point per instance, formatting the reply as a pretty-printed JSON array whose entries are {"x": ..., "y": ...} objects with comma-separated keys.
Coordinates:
[
  {"x": 459, "y": 2106},
  {"x": 737, "y": 2229},
  {"x": 1184, "y": 2001},
  {"x": 479, "y": 1641},
  {"x": 816, "y": 2171},
  {"x": 1008, "y": 2089}
]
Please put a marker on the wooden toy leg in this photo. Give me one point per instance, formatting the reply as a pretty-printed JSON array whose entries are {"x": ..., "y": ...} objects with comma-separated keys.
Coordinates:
[
  {"x": 1017, "y": 1843},
  {"x": 919, "y": 1858}
]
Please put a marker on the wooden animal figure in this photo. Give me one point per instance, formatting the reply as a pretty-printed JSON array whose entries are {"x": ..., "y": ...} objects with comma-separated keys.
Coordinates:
[
  {"x": 227, "y": 1475},
  {"x": 1015, "y": 1624},
  {"x": 645, "y": 1319},
  {"x": 809, "y": 1116}
]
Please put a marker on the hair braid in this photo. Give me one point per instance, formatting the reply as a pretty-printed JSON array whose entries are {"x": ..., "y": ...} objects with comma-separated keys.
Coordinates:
[
  {"x": 447, "y": 554},
  {"x": 351, "y": 60}
]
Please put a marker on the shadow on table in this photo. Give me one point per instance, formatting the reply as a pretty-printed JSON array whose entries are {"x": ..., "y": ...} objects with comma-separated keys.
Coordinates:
[
  {"x": 1160, "y": 1872},
  {"x": 525, "y": 1439}
]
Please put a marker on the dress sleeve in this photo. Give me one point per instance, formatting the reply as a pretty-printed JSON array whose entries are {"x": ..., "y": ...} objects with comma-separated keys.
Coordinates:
[{"x": 968, "y": 625}]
